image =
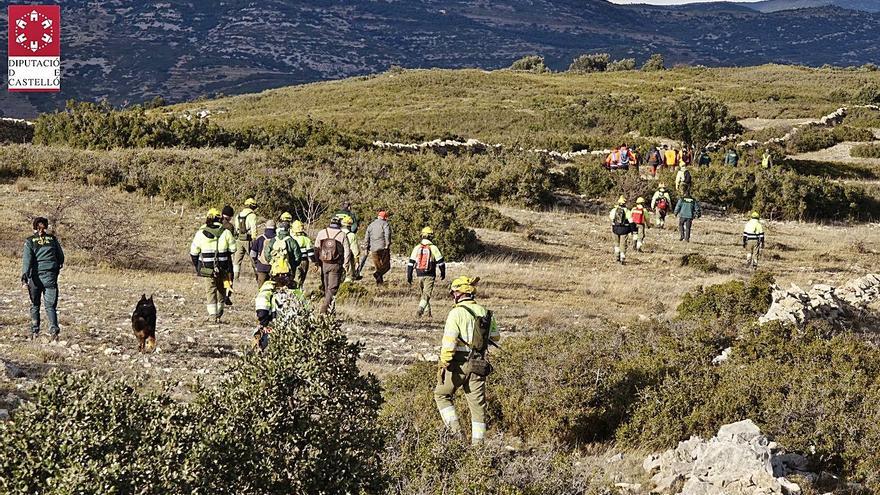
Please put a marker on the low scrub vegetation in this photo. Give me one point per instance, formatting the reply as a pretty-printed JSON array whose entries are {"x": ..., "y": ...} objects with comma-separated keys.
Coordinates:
[
  {"x": 871, "y": 150},
  {"x": 270, "y": 427},
  {"x": 99, "y": 126},
  {"x": 652, "y": 384},
  {"x": 12, "y": 131},
  {"x": 530, "y": 63},
  {"x": 818, "y": 138}
]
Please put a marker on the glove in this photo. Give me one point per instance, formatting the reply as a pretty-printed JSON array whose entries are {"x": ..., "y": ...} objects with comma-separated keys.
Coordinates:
[
  {"x": 24, "y": 279},
  {"x": 195, "y": 263}
]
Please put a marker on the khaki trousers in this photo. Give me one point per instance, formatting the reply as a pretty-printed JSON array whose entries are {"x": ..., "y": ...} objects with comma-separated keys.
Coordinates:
[
  {"x": 242, "y": 252},
  {"x": 449, "y": 381},
  {"x": 620, "y": 244},
  {"x": 754, "y": 248},
  {"x": 214, "y": 294},
  {"x": 426, "y": 284}
]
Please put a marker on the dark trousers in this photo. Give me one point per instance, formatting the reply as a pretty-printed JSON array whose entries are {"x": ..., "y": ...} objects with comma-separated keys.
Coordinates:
[
  {"x": 382, "y": 262},
  {"x": 684, "y": 229},
  {"x": 331, "y": 276},
  {"x": 44, "y": 287},
  {"x": 261, "y": 278}
]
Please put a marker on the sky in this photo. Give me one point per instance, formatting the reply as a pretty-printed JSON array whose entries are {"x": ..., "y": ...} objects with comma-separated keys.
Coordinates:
[{"x": 669, "y": 2}]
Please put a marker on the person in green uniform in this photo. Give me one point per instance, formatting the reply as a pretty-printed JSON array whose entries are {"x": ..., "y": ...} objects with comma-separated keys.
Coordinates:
[{"x": 42, "y": 260}]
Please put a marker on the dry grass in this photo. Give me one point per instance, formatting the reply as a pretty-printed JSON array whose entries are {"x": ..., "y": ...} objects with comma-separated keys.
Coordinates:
[{"x": 568, "y": 279}]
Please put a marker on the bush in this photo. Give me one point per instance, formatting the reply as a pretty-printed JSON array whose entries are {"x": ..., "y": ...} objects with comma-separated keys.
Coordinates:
[
  {"x": 692, "y": 119},
  {"x": 530, "y": 63},
  {"x": 654, "y": 63},
  {"x": 730, "y": 302},
  {"x": 843, "y": 133},
  {"x": 99, "y": 126},
  {"x": 871, "y": 150},
  {"x": 15, "y": 131},
  {"x": 699, "y": 262},
  {"x": 593, "y": 62},
  {"x": 868, "y": 94},
  {"x": 272, "y": 426},
  {"x": 862, "y": 117},
  {"x": 622, "y": 64},
  {"x": 811, "y": 138}
]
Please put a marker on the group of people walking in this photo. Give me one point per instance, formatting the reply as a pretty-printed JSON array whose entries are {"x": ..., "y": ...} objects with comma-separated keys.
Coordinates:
[{"x": 634, "y": 222}]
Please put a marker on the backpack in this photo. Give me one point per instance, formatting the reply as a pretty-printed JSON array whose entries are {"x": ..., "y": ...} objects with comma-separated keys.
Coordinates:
[
  {"x": 655, "y": 157},
  {"x": 620, "y": 216},
  {"x": 638, "y": 215},
  {"x": 480, "y": 342},
  {"x": 624, "y": 157},
  {"x": 331, "y": 250},
  {"x": 261, "y": 256},
  {"x": 687, "y": 177},
  {"x": 662, "y": 204},
  {"x": 280, "y": 254},
  {"x": 241, "y": 231},
  {"x": 214, "y": 269},
  {"x": 425, "y": 259}
]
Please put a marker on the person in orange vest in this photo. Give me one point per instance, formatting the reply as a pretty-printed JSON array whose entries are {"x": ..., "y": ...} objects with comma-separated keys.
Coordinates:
[
  {"x": 640, "y": 217},
  {"x": 612, "y": 161}
]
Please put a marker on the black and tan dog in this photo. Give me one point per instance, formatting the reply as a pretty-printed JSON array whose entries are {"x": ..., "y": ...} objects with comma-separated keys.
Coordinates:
[{"x": 143, "y": 322}]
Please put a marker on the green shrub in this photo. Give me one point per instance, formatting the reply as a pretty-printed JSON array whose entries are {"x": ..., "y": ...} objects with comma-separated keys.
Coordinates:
[
  {"x": 692, "y": 119},
  {"x": 699, "y": 262},
  {"x": 862, "y": 117},
  {"x": 299, "y": 419},
  {"x": 99, "y": 126},
  {"x": 811, "y": 139},
  {"x": 654, "y": 63},
  {"x": 871, "y": 150},
  {"x": 843, "y": 133},
  {"x": 530, "y": 63},
  {"x": 868, "y": 94},
  {"x": 622, "y": 64},
  {"x": 730, "y": 302},
  {"x": 592, "y": 62},
  {"x": 12, "y": 131}
]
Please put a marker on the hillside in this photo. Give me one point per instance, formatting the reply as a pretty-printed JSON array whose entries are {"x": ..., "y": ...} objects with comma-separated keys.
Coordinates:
[
  {"x": 128, "y": 52},
  {"x": 529, "y": 109},
  {"x": 777, "y": 5}
]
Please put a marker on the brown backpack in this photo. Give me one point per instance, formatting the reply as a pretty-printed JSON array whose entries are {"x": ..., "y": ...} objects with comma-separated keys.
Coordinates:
[{"x": 331, "y": 250}]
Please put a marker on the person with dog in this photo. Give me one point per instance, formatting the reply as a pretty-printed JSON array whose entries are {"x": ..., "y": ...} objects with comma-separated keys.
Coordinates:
[
  {"x": 298, "y": 233},
  {"x": 425, "y": 260},
  {"x": 687, "y": 209},
  {"x": 284, "y": 255},
  {"x": 211, "y": 254},
  {"x": 660, "y": 203},
  {"x": 469, "y": 331},
  {"x": 621, "y": 220},
  {"x": 245, "y": 233},
  {"x": 378, "y": 239},
  {"x": 333, "y": 251},
  {"x": 753, "y": 239},
  {"x": 261, "y": 264},
  {"x": 41, "y": 263}
]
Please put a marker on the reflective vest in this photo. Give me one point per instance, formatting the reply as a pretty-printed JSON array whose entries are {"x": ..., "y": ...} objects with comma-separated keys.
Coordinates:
[
  {"x": 265, "y": 297},
  {"x": 305, "y": 245},
  {"x": 639, "y": 215},
  {"x": 753, "y": 231},
  {"x": 212, "y": 244},
  {"x": 422, "y": 266},
  {"x": 460, "y": 325}
]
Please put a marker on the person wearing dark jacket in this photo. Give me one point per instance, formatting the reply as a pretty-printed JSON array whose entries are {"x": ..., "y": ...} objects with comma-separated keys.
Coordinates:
[
  {"x": 261, "y": 264},
  {"x": 687, "y": 209},
  {"x": 42, "y": 260}
]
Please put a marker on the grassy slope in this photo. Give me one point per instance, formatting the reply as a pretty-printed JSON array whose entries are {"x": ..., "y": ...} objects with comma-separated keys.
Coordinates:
[{"x": 504, "y": 106}]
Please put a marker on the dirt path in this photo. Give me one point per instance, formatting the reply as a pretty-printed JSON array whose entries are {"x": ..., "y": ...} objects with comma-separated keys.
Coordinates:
[
  {"x": 837, "y": 153},
  {"x": 756, "y": 124}
]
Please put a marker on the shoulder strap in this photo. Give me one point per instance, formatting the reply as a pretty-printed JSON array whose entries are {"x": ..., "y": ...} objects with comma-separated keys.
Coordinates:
[{"x": 476, "y": 322}]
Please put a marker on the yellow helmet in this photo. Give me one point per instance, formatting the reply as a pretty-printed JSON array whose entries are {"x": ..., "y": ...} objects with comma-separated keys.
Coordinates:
[
  {"x": 286, "y": 217},
  {"x": 346, "y": 220},
  {"x": 621, "y": 200},
  {"x": 213, "y": 213},
  {"x": 251, "y": 202},
  {"x": 427, "y": 231},
  {"x": 756, "y": 215},
  {"x": 465, "y": 285},
  {"x": 297, "y": 227},
  {"x": 641, "y": 200}
]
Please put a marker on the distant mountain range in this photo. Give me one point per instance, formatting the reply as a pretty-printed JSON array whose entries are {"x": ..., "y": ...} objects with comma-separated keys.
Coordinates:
[
  {"x": 777, "y": 5},
  {"x": 130, "y": 51}
]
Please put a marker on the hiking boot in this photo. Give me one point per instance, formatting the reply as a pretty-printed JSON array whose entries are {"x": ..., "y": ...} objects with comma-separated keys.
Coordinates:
[
  {"x": 419, "y": 312},
  {"x": 227, "y": 301}
]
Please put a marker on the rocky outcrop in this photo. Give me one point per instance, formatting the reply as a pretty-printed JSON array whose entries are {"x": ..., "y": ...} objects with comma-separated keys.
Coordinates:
[
  {"x": 739, "y": 460},
  {"x": 823, "y": 302}
]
